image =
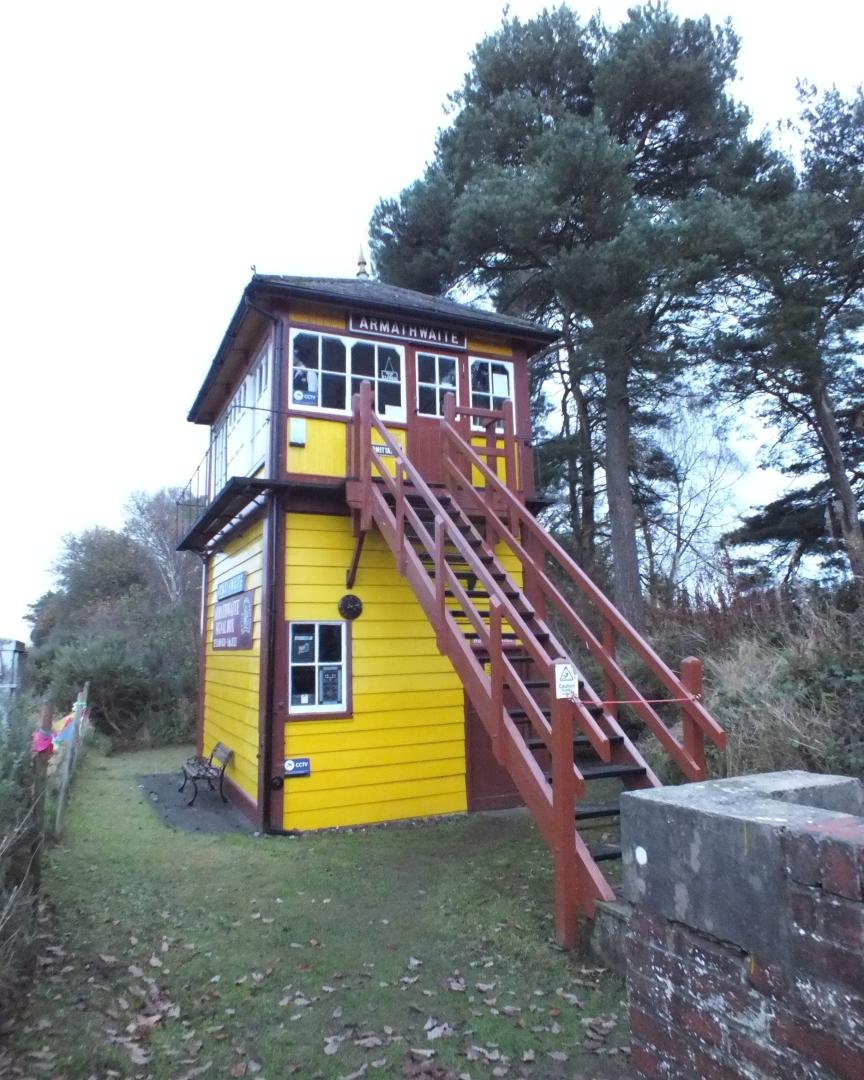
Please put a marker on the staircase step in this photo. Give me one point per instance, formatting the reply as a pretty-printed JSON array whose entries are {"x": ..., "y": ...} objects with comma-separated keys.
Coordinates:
[
  {"x": 473, "y": 638},
  {"x": 514, "y": 655},
  {"x": 604, "y": 852},
  {"x": 521, "y": 714},
  {"x": 532, "y": 684},
  {"x": 580, "y": 741},
  {"x": 587, "y": 811},
  {"x": 606, "y": 772}
]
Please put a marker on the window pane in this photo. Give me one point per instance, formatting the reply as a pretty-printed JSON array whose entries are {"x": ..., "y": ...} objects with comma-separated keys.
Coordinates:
[
  {"x": 330, "y": 686},
  {"x": 388, "y": 394},
  {"x": 500, "y": 381},
  {"x": 480, "y": 377},
  {"x": 447, "y": 369},
  {"x": 306, "y": 350},
  {"x": 303, "y": 642},
  {"x": 329, "y": 643},
  {"x": 333, "y": 391},
  {"x": 363, "y": 360},
  {"x": 426, "y": 400},
  {"x": 425, "y": 368},
  {"x": 355, "y": 386},
  {"x": 480, "y": 401},
  {"x": 332, "y": 354},
  {"x": 302, "y": 685},
  {"x": 389, "y": 366}
]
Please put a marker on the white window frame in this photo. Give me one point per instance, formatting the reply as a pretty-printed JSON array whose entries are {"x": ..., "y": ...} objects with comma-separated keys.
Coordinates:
[
  {"x": 437, "y": 386},
  {"x": 398, "y": 417},
  {"x": 314, "y": 708},
  {"x": 476, "y": 425}
]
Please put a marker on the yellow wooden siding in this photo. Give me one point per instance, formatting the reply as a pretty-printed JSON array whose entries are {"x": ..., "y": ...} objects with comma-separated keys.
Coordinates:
[
  {"x": 402, "y": 753},
  {"x": 231, "y": 677},
  {"x": 496, "y": 346},
  {"x": 324, "y": 453},
  {"x": 316, "y": 316}
]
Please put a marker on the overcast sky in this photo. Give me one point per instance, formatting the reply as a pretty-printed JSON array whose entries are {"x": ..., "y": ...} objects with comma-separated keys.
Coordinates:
[{"x": 153, "y": 152}]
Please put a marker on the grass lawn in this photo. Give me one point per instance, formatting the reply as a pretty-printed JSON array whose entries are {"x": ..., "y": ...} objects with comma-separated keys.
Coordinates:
[{"x": 422, "y": 950}]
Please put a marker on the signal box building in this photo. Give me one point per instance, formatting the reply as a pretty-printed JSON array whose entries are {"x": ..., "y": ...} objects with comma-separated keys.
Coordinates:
[{"x": 375, "y": 642}]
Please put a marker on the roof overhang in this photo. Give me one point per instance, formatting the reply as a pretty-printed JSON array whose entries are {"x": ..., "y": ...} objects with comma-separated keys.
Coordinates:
[{"x": 248, "y": 324}]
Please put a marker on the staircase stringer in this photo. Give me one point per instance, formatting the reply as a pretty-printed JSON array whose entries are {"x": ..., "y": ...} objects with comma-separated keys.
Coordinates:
[
  {"x": 686, "y": 760},
  {"x": 527, "y": 774}
]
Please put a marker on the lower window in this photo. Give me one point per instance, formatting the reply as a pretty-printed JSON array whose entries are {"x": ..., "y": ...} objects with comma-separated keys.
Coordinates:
[{"x": 317, "y": 667}]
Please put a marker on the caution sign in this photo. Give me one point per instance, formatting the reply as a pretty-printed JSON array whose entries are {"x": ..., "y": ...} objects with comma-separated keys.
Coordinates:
[{"x": 566, "y": 680}]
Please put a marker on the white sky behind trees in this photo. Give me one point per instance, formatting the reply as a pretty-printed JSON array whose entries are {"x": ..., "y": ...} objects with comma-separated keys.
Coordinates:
[{"x": 153, "y": 152}]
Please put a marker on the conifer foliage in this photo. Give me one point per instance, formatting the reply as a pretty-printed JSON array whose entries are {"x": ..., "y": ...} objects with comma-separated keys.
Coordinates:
[{"x": 589, "y": 178}]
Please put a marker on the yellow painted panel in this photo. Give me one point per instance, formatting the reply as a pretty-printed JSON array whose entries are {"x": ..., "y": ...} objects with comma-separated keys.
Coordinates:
[
  {"x": 368, "y": 813},
  {"x": 380, "y": 740},
  {"x": 324, "y": 452},
  {"x": 316, "y": 316},
  {"x": 231, "y": 678},
  {"x": 375, "y": 713},
  {"x": 496, "y": 346},
  {"x": 437, "y": 758},
  {"x": 303, "y": 797},
  {"x": 401, "y": 753}
]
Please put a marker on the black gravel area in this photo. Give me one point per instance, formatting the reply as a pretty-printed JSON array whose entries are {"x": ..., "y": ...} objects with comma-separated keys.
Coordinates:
[{"x": 208, "y": 815}]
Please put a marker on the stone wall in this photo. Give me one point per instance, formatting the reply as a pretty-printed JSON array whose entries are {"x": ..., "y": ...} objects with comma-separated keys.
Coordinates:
[{"x": 745, "y": 952}]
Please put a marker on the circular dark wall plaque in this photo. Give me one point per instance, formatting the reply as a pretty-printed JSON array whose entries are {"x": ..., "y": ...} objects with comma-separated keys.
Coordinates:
[{"x": 350, "y": 606}]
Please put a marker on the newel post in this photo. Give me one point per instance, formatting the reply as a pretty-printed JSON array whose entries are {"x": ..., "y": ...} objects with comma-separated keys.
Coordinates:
[
  {"x": 364, "y": 457},
  {"x": 564, "y": 827},
  {"x": 694, "y": 737}
]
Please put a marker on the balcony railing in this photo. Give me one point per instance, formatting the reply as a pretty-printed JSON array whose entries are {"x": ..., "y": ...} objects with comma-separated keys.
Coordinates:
[{"x": 238, "y": 447}]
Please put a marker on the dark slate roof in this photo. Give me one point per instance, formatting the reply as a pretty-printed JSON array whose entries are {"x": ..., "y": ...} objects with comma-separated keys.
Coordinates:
[
  {"x": 368, "y": 295},
  {"x": 364, "y": 292}
]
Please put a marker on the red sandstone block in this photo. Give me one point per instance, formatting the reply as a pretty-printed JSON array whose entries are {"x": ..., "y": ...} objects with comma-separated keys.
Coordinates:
[
  {"x": 803, "y": 905},
  {"x": 768, "y": 979},
  {"x": 843, "y": 922},
  {"x": 710, "y": 1068},
  {"x": 710, "y": 955},
  {"x": 652, "y": 928},
  {"x": 840, "y": 868},
  {"x": 770, "y": 1060},
  {"x": 801, "y": 852},
  {"x": 818, "y": 959},
  {"x": 696, "y": 1021},
  {"x": 822, "y": 1047},
  {"x": 645, "y": 1062},
  {"x": 650, "y": 1032}
]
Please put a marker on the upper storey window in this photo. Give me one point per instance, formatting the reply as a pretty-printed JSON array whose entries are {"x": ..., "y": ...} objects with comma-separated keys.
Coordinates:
[
  {"x": 326, "y": 371},
  {"x": 491, "y": 384},
  {"x": 436, "y": 376}
]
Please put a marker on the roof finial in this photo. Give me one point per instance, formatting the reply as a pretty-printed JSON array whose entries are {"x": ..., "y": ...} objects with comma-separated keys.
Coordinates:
[{"x": 362, "y": 272}]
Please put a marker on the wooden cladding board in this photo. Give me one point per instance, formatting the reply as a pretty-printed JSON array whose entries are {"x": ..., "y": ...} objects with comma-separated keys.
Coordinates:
[
  {"x": 402, "y": 752},
  {"x": 324, "y": 453},
  {"x": 231, "y": 677}
]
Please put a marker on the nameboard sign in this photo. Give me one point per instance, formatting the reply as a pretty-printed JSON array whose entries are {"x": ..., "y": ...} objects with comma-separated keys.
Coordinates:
[
  {"x": 382, "y": 449},
  {"x": 232, "y": 622},
  {"x": 406, "y": 331},
  {"x": 231, "y": 586}
]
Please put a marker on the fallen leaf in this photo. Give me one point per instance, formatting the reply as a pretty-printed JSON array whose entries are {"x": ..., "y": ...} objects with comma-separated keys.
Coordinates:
[
  {"x": 106, "y": 958},
  {"x": 414, "y": 963}
]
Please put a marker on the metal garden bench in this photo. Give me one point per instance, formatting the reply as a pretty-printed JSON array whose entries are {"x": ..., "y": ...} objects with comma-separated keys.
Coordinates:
[{"x": 207, "y": 768}]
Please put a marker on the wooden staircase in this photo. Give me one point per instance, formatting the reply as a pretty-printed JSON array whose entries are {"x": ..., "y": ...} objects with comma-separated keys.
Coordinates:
[{"x": 454, "y": 543}]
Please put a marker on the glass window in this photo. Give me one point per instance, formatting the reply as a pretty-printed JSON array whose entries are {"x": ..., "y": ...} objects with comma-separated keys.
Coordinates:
[
  {"x": 491, "y": 385},
  {"x": 326, "y": 371},
  {"x": 316, "y": 667},
  {"x": 436, "y": 376}
]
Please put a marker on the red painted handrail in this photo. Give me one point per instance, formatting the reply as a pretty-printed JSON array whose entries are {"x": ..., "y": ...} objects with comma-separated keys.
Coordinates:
[{"x": 517, "y": 513}]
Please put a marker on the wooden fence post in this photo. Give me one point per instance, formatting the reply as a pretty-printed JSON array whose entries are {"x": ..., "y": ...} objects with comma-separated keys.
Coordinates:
[{"x": 70, "y": 757}]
